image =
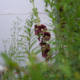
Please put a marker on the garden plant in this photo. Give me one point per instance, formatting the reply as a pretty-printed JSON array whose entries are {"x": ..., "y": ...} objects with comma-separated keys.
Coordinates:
[{"x": 65, "y": 65}]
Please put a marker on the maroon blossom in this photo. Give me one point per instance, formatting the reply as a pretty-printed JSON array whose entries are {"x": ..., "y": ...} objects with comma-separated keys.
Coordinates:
[
  {"x": 45, "y": 47},
  {"x": 43, "y": 36},
  {"x": 43, "y": 44},
  {"x": 43, "y": 28},
  {"x": 46, "y": 36},
  {"x": 40, "y": 29},
  {"x": 44, "y": 55}
]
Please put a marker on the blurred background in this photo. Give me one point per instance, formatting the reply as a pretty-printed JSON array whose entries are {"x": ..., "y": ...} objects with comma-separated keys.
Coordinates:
[{"x": 12, "y": 11}]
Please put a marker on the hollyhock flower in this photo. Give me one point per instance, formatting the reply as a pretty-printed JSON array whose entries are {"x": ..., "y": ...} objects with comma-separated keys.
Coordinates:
[
  {"x": 40, "y": 29},
  {"x": 44, "y": 54},
  {"x": 43, "y": 28},
  {"x": 43, "y": 36},
  {"x": 45, "y": 49},
  {"x": 45, "y": 46},
  {"x": 46, "y": 36}
]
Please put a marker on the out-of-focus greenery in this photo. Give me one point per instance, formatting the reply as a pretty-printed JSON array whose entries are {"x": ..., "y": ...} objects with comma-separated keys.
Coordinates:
[{"x": 65, "y": 16}]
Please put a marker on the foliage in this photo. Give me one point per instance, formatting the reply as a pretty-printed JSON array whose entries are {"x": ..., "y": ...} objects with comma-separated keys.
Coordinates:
[{"x": 65, "y": 16}]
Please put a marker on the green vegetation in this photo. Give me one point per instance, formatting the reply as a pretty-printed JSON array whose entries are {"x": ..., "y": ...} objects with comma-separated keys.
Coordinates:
[{"x": 65, "y": 17}]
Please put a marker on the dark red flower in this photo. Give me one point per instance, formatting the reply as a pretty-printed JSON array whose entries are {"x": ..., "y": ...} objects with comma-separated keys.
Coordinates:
[
  {"x": 40, "y": 29},
  {"x": 46, "y": 36},
  {"x": 43, "y": 44},
  {"x": 43, "y": 28},
  {"x": 43, "y": 36},
  {"x": 44, "y": 54},
  {"x": 45, "y": 47}
]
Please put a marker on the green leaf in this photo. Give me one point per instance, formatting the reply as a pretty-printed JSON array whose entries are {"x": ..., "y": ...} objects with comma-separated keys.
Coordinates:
[
  {"x": 32, "y": 44},
  {"x": 9, "y": 62}
]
